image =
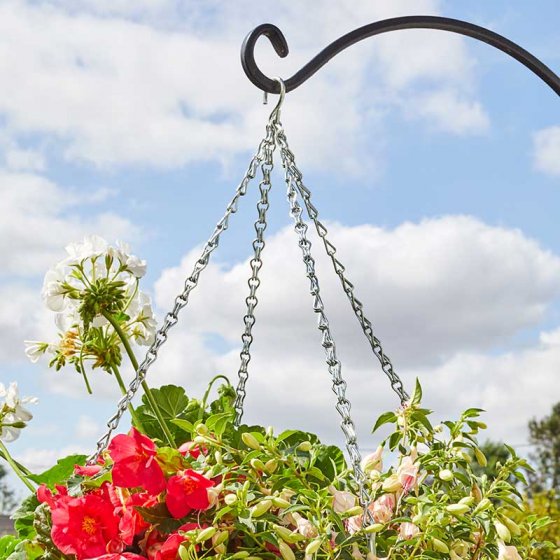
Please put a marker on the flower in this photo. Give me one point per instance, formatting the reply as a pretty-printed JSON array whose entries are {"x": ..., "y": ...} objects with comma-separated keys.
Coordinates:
[
  {"x": 35, "y": 349},
  {"x": 506, "y": 552},
  {"x": 382, "y": 508},
  {"x": 191, "y": 448},
  {"x": 408, "y": 530},
  {"x": 13, "y": 415},
  {"x": 305, "y": 527},
  {"x": 85, "y": 526},
  {"x": 120, "y": 556},
  {"x": 145, "y": 324},
  {"x": 132, "y": 523},
  {"x": 373, "y": 461},
  {"x": 342, "y": 500},
  {"x": 135, "y": 464},
  {"x": 187, "y": 490},
  {"x": 54, "y": 291},
  {"x": 407, "y": 474}
]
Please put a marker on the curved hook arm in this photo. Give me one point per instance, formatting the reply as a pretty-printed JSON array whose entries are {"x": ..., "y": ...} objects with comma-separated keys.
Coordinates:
[{"x": 276, "y": 37}]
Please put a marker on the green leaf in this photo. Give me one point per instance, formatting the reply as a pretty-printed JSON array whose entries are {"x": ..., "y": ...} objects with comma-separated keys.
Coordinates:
[
  {"x": 59, "y": 473},
  {"x": 385, "y": 418},
  {"x": 217, "y": 423},
  {"x": 8, "y": 544},
  {"x": 184, "y": 425},
  {"x": 172, "y": 403},
  {"x": 394, "y": 440},
  {"x": 417, "y": 395}
]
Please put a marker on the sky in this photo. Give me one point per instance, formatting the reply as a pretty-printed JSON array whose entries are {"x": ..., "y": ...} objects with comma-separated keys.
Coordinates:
[{"x": 434, "y": 162}]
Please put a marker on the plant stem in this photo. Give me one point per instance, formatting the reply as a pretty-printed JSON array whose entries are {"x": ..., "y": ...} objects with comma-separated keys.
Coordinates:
[
  {"x": 15, "y": 467},
  {"x": 135, "y": 420},
  {"x": 207, "y": 393},
  {"x": 147, "y": 391}
]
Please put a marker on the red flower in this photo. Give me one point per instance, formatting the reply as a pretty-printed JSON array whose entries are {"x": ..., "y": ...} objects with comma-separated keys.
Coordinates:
[
  {"x": 45, "y": 496},
  {"x": 120, "y": 556},
  {"x": 170, "y": 548},
  {"x": 193, "y": 449},
  {"x": 135, "y": 464},
  {"x": 187, "y": 490},
  {"x": 86, "y": 527},
  {"x": 87, "y": 470},
  {"x": 132, "y": 523}
]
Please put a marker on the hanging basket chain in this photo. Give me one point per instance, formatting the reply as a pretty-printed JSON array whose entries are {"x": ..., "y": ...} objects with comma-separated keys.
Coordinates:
[
  {"x": 254, "y": 281},
  {"x": 334, "y": 366},
  {"x": 357, "y": 306},
  {"x": 182, "y": 299}
]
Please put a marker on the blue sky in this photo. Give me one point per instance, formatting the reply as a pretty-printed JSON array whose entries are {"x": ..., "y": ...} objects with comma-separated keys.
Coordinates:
[{"x": 434, "y": 159}]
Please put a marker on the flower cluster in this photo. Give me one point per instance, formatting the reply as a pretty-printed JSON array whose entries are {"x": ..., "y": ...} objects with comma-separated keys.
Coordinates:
[
  {"x": 225, "y": 492},
  {"x": 95, "y": 295}
]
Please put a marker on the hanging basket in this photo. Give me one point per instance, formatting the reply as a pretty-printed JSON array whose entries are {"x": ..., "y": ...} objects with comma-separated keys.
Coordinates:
[{"x": 189, "y": 480}]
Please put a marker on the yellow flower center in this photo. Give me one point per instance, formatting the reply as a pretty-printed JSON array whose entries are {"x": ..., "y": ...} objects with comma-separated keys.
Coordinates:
[{"x": 89, "y": 525}]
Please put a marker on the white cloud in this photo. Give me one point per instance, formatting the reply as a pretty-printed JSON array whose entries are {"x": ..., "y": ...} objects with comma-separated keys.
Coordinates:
[
  {"x": 445, "y": 297},
  {"x": 431, "y": 288},
  {"x": 153, "y": 89},
  {"x": 546, "y": 150},
  {"x": 87, "y": 428},
  {"x": 18, "y": 159},
  {"x": 449, "y": 111}
]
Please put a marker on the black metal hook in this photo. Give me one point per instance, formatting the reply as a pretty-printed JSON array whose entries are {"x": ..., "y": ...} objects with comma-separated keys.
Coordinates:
[{"x": 276, "y": 37}]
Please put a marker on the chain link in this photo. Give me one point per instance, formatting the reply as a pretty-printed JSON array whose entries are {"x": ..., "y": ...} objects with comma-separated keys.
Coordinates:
[
  {"x": 254, "y": 281},
  {"x": 182, "y": 299},
  {"x": 357, "y": 306},
  {"x": 334, "y": 365}
]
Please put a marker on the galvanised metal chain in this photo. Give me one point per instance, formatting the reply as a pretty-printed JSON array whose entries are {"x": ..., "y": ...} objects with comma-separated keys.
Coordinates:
[
  {"x": 254, "y": 281},
  {"x": 334, "y": 366},
  {"x": 182, "y": 299},
  {"x": 357, "y": 306}
]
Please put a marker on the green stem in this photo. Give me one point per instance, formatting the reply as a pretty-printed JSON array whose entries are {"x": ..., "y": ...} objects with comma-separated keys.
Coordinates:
[
  {"x": 15, "y": 467},
  {"x": 135, "y": 420},
  {"x": 207, "y": 393},
  {"x": 147, "y": 391}
]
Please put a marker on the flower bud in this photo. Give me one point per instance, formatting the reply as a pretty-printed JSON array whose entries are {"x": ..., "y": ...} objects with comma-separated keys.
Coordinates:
[
  {"x": 183, "y": 552},
  {"x": 304, "y": 446},
  {"x": 457, "y": 509},
  {"x": 391, "y": 484},
  {"x": 476, "y": 493},
  {"x": 356, "y": 510},
  {"x": 283, "y": 532},
  {"x": 220, "y": 549},
  {"x": 261, "y": 508},
  {"x": 446, "y": 474},
  {"x": 241, "y": 554},
  {"x": 480, "y": 457},
  {"x": 270, "y": 466},
  {"x": 206, "y": 534},
  {"x": 201, "y": 439},
  {"x": 257, "y": 464},
  {"x": 280, "y": 502},
  {"x": 219, "y": 538},
  {"x": 467, "y": 500},
  {"x": 313, "y": 547},
  {"x": 250, "y": 441},
  {"x": 201, "y": 429},
  {"x": 484, "y": 504},
  {"x": 218, "y": 457},
  {"x": 511, "y": 525},
  {"x": 503, "y": 531},
  {"x": 440, "y": 546},
  {"x": 373, "y": 528},
  {"x": 285, "y": 550},
  {"x": 230, "y": 499}
]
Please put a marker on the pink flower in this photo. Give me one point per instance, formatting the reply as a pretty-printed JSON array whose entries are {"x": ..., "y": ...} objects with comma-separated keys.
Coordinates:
[
  {"x": 305, "y": 527},
  {"x": 87, "y": 470},
  {"x": 507, "y": 552},
  {"x": 135, "y": 464},
  {"x": 408, "y": 530},
  {"x": 407, "y": 474},
  {"x": 187, "y": 490},
  {"x": 193, "y": 449},
  {"x": 343, "y": 501},
  {"x": 382, "y": 508},
  {"x": 354, "y": 524},
  {"x": 373, "y": 461}
]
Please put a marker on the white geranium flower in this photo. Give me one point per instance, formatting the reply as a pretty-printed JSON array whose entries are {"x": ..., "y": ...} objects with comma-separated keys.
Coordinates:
[
  {"x": 135, "y": 265},
  {"x": 91, "y": 246},
  {"x": 142, "y": 314},
  {"x": 13, "y": 411},
  {"x": 53, "y": 291},
  {"x": 35, "y": 349}
]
